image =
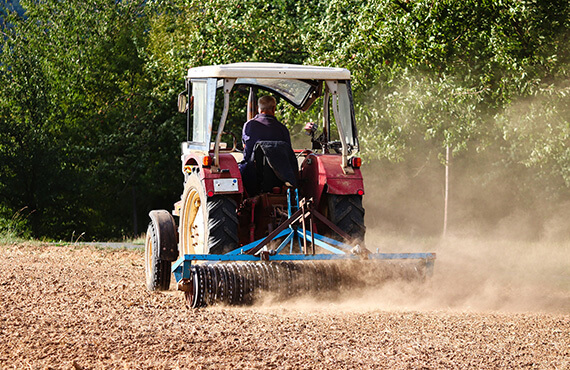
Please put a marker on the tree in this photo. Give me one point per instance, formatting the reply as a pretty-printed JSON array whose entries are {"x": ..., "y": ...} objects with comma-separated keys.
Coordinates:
[
  {"x": 79, "y": 120},
  {"x": 88, "y": 130}
]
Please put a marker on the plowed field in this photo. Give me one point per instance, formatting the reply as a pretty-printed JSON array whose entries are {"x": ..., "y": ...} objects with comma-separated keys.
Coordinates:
[{"x": 87, "y": 308}]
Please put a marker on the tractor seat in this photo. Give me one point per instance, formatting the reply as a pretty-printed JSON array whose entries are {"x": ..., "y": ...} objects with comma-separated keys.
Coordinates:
[{"x": 275, "y": 165}]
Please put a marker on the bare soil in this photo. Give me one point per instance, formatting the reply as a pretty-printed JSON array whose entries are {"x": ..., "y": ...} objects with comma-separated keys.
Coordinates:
[{"x": 87, "y": 308}]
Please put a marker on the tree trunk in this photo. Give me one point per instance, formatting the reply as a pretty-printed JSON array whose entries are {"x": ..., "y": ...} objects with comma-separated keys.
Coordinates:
[{"x": 446, "y": 195}]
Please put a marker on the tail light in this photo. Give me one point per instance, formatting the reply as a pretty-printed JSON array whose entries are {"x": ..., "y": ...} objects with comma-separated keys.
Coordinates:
[
  {"x": 355, "y": 162},
  {"x": 207, "y": 161}
]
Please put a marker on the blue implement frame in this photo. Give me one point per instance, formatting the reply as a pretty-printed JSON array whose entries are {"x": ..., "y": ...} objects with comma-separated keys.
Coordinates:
[{"x": 298, "y": 212}]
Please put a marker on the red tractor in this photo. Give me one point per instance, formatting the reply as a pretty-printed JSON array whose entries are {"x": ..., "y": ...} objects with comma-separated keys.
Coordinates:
[{"x": 229, "y": 242}]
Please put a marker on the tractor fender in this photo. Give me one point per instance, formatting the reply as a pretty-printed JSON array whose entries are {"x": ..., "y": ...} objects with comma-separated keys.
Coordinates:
[
  {"x": 322, "y": 173},
  {"x": 229, "y": 173},
  {"x": 167, "y": 234}
]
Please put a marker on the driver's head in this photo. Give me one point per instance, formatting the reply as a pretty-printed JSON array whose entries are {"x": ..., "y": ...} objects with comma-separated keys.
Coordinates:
[{"x": 266, "y": 104}]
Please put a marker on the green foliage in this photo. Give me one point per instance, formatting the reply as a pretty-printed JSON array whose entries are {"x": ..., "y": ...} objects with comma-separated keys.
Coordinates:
[
  {"x": 537, "y": 132},
  {"x": 13, "y": 227},
  {"x": 80, "y": 122},
  {"x": 434, "y": 109},
  {"x": 89, "y": 136},
  {"x": 440, "y": 69},
  {"x": 207, "y": 32}
]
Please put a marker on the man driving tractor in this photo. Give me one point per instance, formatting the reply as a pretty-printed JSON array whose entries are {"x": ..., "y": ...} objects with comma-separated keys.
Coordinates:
[{"x": 260, "y": 130}]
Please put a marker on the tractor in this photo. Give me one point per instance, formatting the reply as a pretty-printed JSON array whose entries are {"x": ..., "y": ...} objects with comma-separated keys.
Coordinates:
[{"x": 226, "y": 241}]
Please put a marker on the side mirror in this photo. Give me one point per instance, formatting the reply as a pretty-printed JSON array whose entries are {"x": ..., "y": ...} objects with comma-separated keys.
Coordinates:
[{"x": 182, "y": 102}]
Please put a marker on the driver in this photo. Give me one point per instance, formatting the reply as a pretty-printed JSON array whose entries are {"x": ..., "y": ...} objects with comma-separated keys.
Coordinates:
[{"x": 263, "y": 127}]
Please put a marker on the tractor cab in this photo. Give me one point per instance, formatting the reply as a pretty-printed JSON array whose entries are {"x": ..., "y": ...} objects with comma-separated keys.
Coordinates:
[
  {"x": 300, "y": 86},
  {"x": 327, "y": 172}
]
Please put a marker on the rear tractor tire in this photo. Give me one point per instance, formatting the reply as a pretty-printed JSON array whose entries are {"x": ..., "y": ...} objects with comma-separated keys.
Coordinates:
[
  {"x": 160, "y": 250},
  {"x": 208, "y": 225},
  {"x": 347, "y": 212}
]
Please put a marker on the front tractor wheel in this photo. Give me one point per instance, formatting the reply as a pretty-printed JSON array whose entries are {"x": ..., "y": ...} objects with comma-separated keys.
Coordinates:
[
  {"x": 208, "y": 225},
  {"x": 157, "y": 270}
]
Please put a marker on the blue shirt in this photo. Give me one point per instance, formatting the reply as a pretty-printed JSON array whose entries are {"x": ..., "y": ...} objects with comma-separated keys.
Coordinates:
[{"x": 262, "y": 127}]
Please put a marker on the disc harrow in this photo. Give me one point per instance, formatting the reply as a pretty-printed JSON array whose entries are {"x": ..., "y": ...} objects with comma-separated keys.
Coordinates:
[
  {"x": 240, "y": 283},
  {"x": 243, "y": 275}
]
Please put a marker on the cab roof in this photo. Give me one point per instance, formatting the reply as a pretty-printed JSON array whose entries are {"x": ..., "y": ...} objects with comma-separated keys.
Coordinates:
[{"x": 269, "y": 70}]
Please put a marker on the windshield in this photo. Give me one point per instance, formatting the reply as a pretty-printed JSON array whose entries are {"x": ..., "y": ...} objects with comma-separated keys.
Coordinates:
[
  {"x": 296, "y": 92},
  {"x": 206, "y": 109}
]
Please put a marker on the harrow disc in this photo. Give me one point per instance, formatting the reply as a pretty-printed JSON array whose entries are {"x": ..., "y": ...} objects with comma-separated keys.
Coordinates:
[{"x": 240, "y": 283}]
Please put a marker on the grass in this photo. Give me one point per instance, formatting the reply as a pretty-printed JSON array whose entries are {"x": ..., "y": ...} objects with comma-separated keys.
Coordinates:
[
  {"x": 9, "y": 237},
  {"x": 137, "y": 240}
]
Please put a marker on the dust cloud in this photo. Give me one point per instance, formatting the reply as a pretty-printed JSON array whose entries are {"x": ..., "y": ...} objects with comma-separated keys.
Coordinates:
[
  {"x": 507, "y": 246},
  {"x": 469, "y": 275},
  {"x": 482, "y": 275},
  {"x": 500, "y": 253}
]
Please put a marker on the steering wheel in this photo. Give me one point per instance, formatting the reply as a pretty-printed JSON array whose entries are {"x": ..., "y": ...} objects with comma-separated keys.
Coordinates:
[{"x": 335, "y": 145}]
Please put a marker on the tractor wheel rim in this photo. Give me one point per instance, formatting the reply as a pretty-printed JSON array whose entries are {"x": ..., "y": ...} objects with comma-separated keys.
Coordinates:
[
  {"x": 148, "y": 257},
  {"x": 193, "y": 225},
  {"x": 198, "y": 232}
]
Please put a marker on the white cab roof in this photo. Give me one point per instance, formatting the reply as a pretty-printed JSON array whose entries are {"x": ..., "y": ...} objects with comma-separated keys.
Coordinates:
[{"x": 269, "y": 70}]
